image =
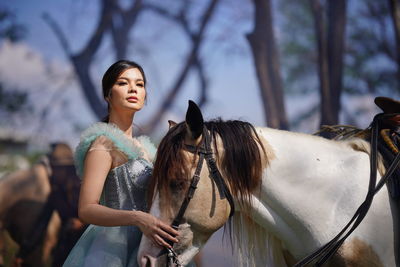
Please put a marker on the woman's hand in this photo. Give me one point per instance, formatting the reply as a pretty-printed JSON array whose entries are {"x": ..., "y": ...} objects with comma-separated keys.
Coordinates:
[{"x": 156, "y": 230}]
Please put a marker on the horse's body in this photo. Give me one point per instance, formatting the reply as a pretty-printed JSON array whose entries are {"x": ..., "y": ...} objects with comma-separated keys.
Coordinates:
[
  {"x": 308, "y": 190},
  {"x": 22, "y": 196},
  {"x": 27, "y": 204},
  {"x": 311, "y": 189}
]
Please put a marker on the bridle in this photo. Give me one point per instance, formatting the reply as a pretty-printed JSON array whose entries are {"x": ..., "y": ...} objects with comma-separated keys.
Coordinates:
[{"x": 205, "y": 153}]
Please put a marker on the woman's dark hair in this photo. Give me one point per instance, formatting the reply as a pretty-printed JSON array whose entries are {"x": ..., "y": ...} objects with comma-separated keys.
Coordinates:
[{"x": 112, "y": 74}]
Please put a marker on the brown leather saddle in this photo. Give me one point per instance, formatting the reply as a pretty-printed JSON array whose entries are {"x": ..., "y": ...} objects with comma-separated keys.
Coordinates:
[
  {"x": 387, "y": 104},
  {"x": 389, "y": 141}
]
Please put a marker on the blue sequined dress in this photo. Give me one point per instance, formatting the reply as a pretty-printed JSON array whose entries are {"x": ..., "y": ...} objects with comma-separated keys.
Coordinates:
[{"x": 125, "y": 189}]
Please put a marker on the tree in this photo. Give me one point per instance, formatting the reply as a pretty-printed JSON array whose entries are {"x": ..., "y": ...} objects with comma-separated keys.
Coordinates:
[
  {"x": 395, "y": 14},
  {"x": 371, "y": 58},
  {"x": 118, "y": 22},
  {"x": 9, "y": 27},
  {"x": 330, "y": 33},
  {"x": 11, "y": 100},
  {"x": 267, "y": 65}
]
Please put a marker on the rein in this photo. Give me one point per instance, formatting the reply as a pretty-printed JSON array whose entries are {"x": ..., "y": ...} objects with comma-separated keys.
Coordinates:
[
  {"x": 205, "y": 153},
  {"x": 324, "y": 253}
]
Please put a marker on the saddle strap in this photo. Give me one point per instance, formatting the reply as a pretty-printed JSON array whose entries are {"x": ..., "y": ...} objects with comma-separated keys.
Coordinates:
[{"x": 325, "y": 252}]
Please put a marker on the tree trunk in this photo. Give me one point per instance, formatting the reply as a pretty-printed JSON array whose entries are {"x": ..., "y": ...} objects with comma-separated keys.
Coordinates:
[
  {"x": 395, "y": 9},
  {"x": 266, "y": 61},
  {"x": 330, "y": 33},
  {"x": 336, "y": 41},
  {"x": 323, "y": 64}
]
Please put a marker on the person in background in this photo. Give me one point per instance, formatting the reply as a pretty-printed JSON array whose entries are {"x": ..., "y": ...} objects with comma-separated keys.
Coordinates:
[{"x": 63, "y": 198}]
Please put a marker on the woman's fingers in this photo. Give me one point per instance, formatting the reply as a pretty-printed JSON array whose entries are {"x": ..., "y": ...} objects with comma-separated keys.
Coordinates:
[
  {"x": 160, "y": 241},
  {"x": 168, "y": 229},
  {"x": 166, "y": 235}
]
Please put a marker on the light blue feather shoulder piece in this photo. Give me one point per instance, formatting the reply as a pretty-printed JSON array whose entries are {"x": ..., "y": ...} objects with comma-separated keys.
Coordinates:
[{"x": 119, "y": 140}]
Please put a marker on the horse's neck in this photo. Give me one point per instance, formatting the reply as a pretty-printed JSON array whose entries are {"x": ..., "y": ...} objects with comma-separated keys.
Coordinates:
[{"x": 305, "y": 178}]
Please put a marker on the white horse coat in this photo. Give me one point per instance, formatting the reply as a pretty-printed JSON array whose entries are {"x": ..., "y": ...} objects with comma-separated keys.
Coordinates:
[{"x": 310, "y": 190}]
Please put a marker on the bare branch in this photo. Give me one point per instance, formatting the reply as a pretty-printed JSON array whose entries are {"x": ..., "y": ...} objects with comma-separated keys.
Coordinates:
[
  {"x": 105, "y": 21},
  {"x": 119, "y": 30},
  {"x": 190, "y": 61},
  {"x": 203, "y": 82},
  {"x": 58, "y": 32},
  {"x": 81, "y": 61},
  {"x": 179, "y": 18}
]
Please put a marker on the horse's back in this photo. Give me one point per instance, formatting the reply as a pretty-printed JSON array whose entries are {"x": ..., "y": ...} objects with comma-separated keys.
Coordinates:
[
  {"x": 316, "y": 185},
  {"x": 31, "y": 184}
]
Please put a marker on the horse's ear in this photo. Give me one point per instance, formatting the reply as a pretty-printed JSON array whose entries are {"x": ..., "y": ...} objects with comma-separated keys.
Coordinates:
[
  {"x": 194, "y": 120},
  {"x": 171, "y": 124}
]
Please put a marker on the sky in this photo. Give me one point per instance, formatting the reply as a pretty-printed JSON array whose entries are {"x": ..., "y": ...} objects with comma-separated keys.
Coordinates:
[
  {"x": 232, "y": 93},
  {"x": 39, "y": 64}
]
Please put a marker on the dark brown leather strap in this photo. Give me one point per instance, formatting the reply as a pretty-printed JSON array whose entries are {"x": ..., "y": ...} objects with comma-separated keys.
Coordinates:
[
  {"x": 205, "y": 152},
  {"x": 189, "y": 193}
]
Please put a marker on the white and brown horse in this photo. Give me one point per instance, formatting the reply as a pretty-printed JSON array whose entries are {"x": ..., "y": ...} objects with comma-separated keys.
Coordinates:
[
  {"x": 293, "y": 193},
  {"x": 23, "y": 194}
]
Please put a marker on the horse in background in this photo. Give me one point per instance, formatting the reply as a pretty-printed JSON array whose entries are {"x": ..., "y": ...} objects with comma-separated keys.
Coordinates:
[
  {"x": 24, "y": 198},
  {"x": 292, "y": 194}
]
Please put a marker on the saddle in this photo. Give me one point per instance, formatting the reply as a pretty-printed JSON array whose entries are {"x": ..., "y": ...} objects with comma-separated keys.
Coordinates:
[{"x": 389, "y": 137}]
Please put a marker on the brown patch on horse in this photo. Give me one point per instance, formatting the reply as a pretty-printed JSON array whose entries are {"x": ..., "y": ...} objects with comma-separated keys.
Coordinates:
[
  {"x": 289, "y": 259},
  {"x": 356, "y": 253},
  {"x": 268, "y": 154}
]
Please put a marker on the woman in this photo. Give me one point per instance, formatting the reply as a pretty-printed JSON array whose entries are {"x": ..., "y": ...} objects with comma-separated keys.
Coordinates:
[{"x": 115, "y": 169}]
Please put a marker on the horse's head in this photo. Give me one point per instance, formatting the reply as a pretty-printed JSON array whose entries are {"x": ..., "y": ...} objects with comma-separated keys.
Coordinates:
[{"x": 185, "y": 161}]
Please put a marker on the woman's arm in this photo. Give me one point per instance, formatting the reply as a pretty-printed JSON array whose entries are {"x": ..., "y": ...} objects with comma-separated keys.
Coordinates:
[{"x": 97, "y": 164}]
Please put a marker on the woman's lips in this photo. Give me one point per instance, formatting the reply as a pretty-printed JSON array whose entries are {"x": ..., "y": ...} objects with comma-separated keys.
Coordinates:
[{"x": 132, "y": 99}]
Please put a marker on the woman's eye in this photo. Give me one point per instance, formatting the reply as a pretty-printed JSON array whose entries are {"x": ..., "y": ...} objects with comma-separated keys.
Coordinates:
[
  {"x": 140, "y": 85},
  {"x": 122, "y": 83}
]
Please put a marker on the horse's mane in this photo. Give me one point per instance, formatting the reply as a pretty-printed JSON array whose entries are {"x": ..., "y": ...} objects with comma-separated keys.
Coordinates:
[
  {"x": 241, "y": 164},
  {"x": 241, "y": 161}
]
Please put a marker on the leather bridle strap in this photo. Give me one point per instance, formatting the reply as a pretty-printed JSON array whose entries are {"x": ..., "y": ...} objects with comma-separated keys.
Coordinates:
[
  {"x": 205, "y": 152},
  {"x": 171, "y": 255},
  {"x": 189, "y": 194},
  {"x": 325, "y": 252},
  {"x": 215, "y": 173}
]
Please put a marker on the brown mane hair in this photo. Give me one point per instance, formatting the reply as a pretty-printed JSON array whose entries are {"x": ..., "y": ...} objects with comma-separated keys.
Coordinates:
[{"x": 241, "y": 162}]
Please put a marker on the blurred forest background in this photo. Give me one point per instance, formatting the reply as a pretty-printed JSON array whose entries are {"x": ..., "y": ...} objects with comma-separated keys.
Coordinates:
[{"x": 284, "y": 64}]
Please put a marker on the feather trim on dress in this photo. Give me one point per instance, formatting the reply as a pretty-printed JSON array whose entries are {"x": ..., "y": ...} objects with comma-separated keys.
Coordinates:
[{"x": 112, "y": 132}]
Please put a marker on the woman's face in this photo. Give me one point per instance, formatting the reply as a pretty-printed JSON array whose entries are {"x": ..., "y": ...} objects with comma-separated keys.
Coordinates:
[{"x": 128, "y": 92}]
